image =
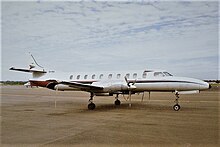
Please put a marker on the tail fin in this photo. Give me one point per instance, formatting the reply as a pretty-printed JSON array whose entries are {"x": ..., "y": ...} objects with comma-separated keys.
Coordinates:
[
  {"x": 32, "y": 65},
  {"x": 35, "y": 72}
]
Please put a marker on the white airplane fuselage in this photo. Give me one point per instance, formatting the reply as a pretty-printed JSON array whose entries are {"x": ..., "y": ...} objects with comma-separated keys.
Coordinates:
[
  {"x": 109, "y": 82},
  {"x": 153, "y": 80}
]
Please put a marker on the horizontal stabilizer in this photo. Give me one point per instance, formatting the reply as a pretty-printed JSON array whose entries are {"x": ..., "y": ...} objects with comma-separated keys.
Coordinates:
[{"x": 27, "y": 70}]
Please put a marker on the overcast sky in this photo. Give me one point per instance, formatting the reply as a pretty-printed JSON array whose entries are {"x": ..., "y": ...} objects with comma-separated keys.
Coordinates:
[{"x": 180, "y": 37}]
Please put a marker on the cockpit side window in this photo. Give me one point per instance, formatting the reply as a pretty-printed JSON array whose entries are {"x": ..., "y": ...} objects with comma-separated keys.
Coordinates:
[{"x": 158, "y": 74}]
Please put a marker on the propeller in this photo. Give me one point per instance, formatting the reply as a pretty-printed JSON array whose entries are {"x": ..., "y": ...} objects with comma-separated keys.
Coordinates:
[
  {"x": 130, "y": 88},
  {"x": 127, "y": 81}
]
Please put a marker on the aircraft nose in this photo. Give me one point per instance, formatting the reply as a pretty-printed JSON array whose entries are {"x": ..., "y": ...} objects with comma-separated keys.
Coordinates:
[{"x": 204, "y": 85}]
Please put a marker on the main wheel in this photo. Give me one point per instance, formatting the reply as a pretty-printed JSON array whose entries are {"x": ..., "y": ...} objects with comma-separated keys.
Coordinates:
[
  {"x": 91, "y": 106},
  {"x": 176, "y": 107},
  {"x": 117, "y": 102}
]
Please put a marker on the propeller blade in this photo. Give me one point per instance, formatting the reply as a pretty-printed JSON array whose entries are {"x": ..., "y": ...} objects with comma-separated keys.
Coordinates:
[
  {"x": 126, "y": 80},
  {"x": 129, "y": 98}
]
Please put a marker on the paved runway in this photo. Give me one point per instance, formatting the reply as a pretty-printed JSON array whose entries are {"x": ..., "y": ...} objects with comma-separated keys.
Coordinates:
[{"x": 30, "y": 117}]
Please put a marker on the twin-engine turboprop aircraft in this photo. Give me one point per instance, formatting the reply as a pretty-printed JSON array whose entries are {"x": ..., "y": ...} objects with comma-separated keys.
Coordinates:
[{"x": 111, "y": 83}]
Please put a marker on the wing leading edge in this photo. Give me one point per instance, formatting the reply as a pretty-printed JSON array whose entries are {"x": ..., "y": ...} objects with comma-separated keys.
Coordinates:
[{"x": 81, "y": 86}]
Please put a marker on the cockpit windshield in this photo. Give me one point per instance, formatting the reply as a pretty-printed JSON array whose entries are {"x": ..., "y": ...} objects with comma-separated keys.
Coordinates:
[
  {"x": 159, "y": 74},
  {"x": 162, "y": 74},
  {"x": 167, "y": 74}
]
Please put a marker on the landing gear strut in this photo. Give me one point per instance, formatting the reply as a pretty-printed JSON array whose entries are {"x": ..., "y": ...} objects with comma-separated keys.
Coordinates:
[
  {"x": 176, "y": 107},
  {"x": 117, "y": 102},
  {"x": 91, "y": 105}
]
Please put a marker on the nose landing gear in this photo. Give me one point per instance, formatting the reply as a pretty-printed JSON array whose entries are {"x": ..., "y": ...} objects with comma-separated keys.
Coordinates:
[{"x": 176, "y": 107}]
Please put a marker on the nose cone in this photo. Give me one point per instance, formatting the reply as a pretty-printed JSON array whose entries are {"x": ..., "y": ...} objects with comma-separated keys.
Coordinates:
[{"x": 205, "y": 85}]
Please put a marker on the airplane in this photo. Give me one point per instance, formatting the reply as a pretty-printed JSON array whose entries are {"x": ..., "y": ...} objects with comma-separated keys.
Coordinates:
[{"x": 109, "y": 83}]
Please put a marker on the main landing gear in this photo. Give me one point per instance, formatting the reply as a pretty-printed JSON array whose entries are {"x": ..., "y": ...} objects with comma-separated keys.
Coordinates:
[
  {"x": 91, "y": 105},
  {"x": 117, "y": 102},
  {"x": 176, "y": 107}
]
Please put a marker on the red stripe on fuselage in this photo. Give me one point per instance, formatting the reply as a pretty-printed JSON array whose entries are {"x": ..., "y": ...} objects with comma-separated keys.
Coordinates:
[{"x": 40, "y": 83}]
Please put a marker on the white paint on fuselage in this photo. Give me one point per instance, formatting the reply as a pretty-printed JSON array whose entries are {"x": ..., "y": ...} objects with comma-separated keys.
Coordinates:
[{"x": 111, "y": 81}]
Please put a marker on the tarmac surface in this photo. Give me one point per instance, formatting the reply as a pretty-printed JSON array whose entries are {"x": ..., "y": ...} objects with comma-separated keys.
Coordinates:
[{"x": 42, "y": 117}]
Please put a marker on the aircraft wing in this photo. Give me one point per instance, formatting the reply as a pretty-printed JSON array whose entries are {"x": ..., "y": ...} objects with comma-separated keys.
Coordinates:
[{"x": 81, "y": 86}]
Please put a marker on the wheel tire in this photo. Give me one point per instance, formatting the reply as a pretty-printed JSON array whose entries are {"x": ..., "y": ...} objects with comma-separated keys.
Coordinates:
[
  {"x": 91, "y": 106},
  {"x": 176, "y": 107},
  {"x": 117, "y": 102}
]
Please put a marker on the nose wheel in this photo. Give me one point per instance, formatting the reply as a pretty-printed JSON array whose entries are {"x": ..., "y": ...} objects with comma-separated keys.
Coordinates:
[{"x": 176, "y": 107}]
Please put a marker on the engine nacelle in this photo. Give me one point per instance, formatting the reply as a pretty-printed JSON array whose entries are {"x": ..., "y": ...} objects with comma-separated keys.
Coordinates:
[
  {"x": 117, "y": 87},
  {"x": 60, "y": 87}
]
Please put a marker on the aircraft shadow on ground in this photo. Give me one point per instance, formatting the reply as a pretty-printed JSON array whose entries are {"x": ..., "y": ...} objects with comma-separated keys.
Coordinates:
[
  {"x": 126, "y": 107},
  {"x": 139, "y": 106}
]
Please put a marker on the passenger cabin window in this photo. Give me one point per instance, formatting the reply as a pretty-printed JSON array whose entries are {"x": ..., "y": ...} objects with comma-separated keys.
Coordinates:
[
  {"x": 118, "y": 76},
  {"x": 135, "y": 75},
  {"x": 78, "y": 77},
  {"x": 71, "y": 77},
  {"x": 158, "y": 74},
  {"x": 167, "y": 74},
  {"x": 144, "y": 75},
  {"x": 127, "y": 75},
  {"x": 101, "y": 76},
  {"x": 86, "y": 76},
  {"x": 93, "y": 76},
  {"x": 109, "y": 76}
]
